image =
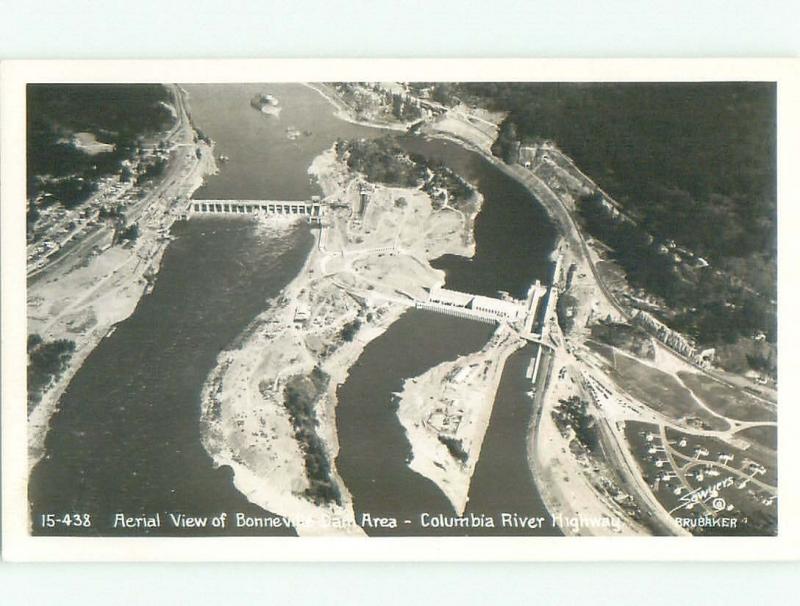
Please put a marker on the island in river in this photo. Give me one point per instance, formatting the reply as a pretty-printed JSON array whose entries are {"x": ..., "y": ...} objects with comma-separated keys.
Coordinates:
[
  {"x": 332, "y": 400},
  {"x": 269, "y": 407}
]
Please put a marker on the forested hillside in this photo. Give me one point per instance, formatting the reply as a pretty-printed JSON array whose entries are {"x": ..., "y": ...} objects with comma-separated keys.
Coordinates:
[
  {"x": 693, "y": 163},
  {"x": 112, "y": 114}
]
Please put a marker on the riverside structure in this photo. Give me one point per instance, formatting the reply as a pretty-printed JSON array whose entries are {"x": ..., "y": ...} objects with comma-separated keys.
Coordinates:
[
  {"x": 310, "y": 209},
  {"x": 493, "y": 310}
]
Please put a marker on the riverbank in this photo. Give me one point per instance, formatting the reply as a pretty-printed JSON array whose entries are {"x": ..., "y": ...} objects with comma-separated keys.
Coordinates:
[
  {"x": 92, "y": 290},
  {"x": 563, "y": 480},
  {"x": 445, "y": 413},
  {"x": 569, "y": 489},
  {"x": 416, "y": 408},
  {"x": 366, "y": 268},
  {"x": 345, "y": 112},
  {"x": 245, "y": 423}
]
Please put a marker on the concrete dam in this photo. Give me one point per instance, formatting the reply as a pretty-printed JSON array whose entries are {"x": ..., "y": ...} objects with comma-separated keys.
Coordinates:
[{"x": 312, "y": 209}]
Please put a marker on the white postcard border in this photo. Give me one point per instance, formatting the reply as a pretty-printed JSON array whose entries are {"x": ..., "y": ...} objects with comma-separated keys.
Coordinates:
[{"x": 18, "y": 545}]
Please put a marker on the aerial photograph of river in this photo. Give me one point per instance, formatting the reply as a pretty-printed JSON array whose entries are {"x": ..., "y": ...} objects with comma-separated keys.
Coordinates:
[{"x": 398, "y": 309}]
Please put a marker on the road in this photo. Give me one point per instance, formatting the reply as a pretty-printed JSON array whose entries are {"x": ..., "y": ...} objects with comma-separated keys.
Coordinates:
[
  {"x": 574, "y": 236},
  {"x": 79, "y": 247},
  {"x": 626, "y": 466},
  {"x": 616, "y": 444}
]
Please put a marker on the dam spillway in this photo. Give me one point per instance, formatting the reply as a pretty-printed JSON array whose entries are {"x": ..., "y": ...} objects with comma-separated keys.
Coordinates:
[{"x": 310, "y": 209}]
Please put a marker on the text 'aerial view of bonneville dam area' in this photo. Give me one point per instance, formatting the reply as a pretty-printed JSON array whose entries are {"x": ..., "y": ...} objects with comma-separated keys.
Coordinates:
[{"x": 402, "y": 309}]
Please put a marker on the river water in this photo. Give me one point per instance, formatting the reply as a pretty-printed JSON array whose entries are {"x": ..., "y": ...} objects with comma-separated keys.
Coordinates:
[
  {"x": 126, "y": 437},
  {"x": 513, "y": 235},
  {"x": 513, "y": 238}
]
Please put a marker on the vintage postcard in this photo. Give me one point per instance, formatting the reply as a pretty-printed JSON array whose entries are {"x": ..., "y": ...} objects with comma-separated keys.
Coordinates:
[{"x": 399, "y": 310}]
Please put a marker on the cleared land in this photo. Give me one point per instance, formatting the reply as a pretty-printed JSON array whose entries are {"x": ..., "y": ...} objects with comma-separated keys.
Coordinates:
[
  {"x": 726, "y": 400},
  {"x": 652, "y": 461},
  {"x": 764, "y": 435},
  {"x": 372, "y": 260},
  {"x": 659, "y": 390},
  {"x": 694, "y": 447},
  {"x": 697, "y": 477}
]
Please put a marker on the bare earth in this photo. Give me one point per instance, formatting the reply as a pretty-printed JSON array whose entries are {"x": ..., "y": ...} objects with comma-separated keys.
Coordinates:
[
  {"x": 96, "y": 286},
  {"x": 567, "y": 484},
  {"x": 361, "y": 276},
  {"x": 454, "y": 401},
  {"x": 363, "y": 273}
]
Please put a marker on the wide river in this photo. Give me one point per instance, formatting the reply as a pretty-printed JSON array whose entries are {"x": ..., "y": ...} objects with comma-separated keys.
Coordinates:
[{"x": 126, "y": 436}]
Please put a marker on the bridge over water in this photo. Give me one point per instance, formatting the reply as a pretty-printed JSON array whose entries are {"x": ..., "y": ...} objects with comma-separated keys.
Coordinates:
[
  {"x": 528, "y": 314},
  {"x": 535, "y": 313}
]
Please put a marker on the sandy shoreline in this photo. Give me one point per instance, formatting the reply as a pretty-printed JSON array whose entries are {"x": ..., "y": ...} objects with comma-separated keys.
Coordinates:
[
  {"x": 362, "y": 274},
  {"x": 358, "y": 279},
  {"x": 430, "y": 456},
  {"x": 344, "y": 113},
  {"x": 273, "y": 477},
  {"x": 452, "y": 402},
  {"x": 564, "y": 487},
  {"x": 243, "y": 396}
]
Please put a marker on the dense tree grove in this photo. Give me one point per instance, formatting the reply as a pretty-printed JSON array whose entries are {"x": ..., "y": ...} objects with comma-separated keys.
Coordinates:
[
  {"x": 506, "y": 146},
  {"x": 46, "y": 361},
  {"x": 455, "y": 448},
  {"x": 572, "y": 413},
  {"x": 117, "y": 114},
  {"x": 695, "y": 162},
  {"x": 382, "y": 161},
  {"x": 713, "y": 307},
  {"x": 690, "y": 163},
  {"x": 152, "y": 171},
  {"x": 131, "y": 232},
  {"x": 350, "y": 329},
  {"x": 403, "y": 110},
  {"x": 300, "y": 396}
]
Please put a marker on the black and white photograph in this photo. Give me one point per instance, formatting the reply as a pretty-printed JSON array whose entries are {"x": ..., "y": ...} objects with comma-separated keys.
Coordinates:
[{"x": 358, "y": 309}]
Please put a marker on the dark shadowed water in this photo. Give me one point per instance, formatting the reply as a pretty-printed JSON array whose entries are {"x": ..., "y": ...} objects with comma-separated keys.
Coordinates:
[
  {"x": 502, "y": 482},
  {"x": 374, "y": 451},
  {"x": 513, "y": 234}
]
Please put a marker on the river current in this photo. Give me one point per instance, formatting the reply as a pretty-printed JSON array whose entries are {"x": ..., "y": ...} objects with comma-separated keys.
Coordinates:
[{"x": 126, "y": 436}]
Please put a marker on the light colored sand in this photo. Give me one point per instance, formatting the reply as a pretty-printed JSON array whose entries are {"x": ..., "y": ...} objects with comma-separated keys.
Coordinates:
[
  {"x": 454, "y": 400},
  {"x": 88, "y": 143},
  {"x": 86, "y": 296},
  {"x": 480, "y": 134},
  {"x": 564, "y": 479},
  {"x": 347, "y": 114},
  {"x": 565, "y": 484},
  {"x": 551, "y": 462},
  {"x": 366, "y": 271}
]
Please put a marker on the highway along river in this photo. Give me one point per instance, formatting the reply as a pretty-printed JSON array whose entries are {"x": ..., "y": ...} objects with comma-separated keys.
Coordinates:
[{"x": 126, "y": 436}]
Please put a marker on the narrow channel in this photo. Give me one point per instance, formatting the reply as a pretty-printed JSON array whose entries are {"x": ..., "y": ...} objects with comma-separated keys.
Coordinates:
[
  {"x": 126, "y": 435},
  {"x": 514, "y": 238}
]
